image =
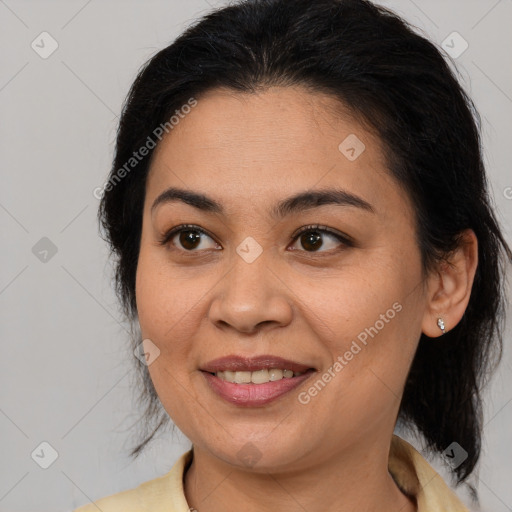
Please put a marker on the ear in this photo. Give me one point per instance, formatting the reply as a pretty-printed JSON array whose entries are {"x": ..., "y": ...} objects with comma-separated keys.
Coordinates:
[{"x": 449, "y": 287}]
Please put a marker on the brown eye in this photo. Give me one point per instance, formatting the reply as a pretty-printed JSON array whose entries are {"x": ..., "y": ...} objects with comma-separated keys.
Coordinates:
[
  {"x": 188, "y": 238},
  {"x": 311, "y": 241},
  {"x": 314, "y": 238}
]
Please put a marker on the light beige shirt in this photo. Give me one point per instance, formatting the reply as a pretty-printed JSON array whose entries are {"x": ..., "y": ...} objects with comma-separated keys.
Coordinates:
[{"x": 412, "y": 473}]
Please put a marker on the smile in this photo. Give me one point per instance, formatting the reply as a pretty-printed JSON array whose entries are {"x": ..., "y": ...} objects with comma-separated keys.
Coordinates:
[{"x": 252, "y": 394}]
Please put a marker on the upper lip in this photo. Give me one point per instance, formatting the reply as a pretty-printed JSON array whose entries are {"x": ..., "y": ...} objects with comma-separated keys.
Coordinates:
[{"x": 236, "y": 363}]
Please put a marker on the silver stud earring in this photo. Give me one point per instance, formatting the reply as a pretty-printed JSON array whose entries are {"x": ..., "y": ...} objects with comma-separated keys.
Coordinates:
[{"x": 440, "y": 323}]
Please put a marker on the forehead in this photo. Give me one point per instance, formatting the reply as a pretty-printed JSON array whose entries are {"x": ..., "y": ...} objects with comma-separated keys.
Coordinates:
[{"x": 269, "y": 144}]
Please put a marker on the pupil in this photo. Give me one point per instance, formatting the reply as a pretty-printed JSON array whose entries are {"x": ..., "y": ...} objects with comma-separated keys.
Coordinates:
[
  {"x": 312, "y": 238},
  {"x": 187, "y": 239}
]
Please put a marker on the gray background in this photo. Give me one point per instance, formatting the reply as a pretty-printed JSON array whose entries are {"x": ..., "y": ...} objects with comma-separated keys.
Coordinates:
[{"x": 66, "y": 371}]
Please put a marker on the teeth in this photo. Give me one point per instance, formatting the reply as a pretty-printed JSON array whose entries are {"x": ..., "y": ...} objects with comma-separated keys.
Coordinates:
[
  {"x": 275, "y": 374},
  {"x": 257, "y": 377},
  {"x": 260, "y": 377},
  {"x": 242, "y": 377}
]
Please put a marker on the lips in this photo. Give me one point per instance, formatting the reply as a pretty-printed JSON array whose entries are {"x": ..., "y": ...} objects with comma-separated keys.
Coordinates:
[
  {"x": 251, "y": 394},
  {"x": 251, "y": 364}
]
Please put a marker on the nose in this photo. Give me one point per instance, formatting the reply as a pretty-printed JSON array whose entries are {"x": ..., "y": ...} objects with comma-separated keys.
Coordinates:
[{"x": 251, "y": 297}]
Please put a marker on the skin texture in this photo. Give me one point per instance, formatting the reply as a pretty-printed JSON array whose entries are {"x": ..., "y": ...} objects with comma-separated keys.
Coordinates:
[{"x": 249, "y": 151}]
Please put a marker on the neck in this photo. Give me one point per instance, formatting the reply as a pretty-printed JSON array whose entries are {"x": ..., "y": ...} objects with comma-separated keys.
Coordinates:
[{"x": 347, "y": 481}]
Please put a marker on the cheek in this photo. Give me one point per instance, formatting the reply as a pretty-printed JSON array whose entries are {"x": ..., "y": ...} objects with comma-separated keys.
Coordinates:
[
  {"x": 166, "y": 315},
  {"x": 373, "y": 317},
  {"x": 349, "y": 303},
  {"x": 166, "y": 301}
]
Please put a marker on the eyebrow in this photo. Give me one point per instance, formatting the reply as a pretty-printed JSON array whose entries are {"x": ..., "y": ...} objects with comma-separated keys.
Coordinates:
[{"x": 294, "y": 204}]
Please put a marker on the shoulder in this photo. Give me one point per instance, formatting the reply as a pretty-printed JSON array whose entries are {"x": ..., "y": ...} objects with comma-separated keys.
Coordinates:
[
  {"x": 414, "y": 475},
  {"x": 162, "y": 494}
]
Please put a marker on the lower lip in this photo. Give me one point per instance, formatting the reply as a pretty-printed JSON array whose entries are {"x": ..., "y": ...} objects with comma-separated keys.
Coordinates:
[{"x": 254, "y": 395}]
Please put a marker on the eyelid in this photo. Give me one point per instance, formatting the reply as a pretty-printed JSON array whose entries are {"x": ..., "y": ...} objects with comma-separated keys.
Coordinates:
[
  {"x": 347, "y": 240},
  {"x": 168, "y": 235}
]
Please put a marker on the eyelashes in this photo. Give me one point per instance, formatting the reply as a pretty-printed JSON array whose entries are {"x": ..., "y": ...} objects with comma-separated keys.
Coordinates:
[
  {"x": 343, "y": 239},
  {"x": 318, "y": 231},
  {"x": 183, "y": 228}
]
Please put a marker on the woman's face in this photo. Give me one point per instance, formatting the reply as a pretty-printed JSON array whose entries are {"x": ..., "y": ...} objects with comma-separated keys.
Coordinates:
[{"x": 350, "y": 309}]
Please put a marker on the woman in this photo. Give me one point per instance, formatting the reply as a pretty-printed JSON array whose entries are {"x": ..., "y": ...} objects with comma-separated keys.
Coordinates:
[{"x": 299, "y": 210}]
